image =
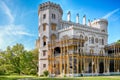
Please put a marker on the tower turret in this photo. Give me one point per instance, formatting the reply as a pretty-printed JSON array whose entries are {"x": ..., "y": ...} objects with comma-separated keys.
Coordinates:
[
  {"x": 50, "y": 15},
  {"x": 100, "y": 24}
]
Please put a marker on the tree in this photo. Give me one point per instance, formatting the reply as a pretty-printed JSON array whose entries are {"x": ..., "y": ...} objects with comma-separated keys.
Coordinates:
[
  {"x": 35, "y": 59},
  {"x": 18, "y": 60},
  {"x": 118, "y": 41}
]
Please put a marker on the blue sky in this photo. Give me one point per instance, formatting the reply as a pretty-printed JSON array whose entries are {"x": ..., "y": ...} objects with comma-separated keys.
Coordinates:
[{"x": 19, "y": 18}]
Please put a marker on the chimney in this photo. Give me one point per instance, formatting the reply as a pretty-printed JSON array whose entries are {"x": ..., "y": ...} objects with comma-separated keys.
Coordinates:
[
  {"x": 84, "y": 20},
  {"x": 89, "y": 23},
  {"x": 69, "y": 16},
  {"x": 77, "y": 18}
]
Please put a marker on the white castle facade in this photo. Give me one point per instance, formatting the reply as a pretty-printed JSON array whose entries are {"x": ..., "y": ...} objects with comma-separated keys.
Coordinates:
[{"x": 67, "y": 47}]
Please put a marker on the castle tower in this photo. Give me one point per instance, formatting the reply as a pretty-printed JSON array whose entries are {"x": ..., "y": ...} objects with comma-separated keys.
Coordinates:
[{"x": 50, "y": 15}]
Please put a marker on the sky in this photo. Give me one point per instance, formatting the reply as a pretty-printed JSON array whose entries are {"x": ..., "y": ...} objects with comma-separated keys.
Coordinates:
[{"x": 19, "y": 18}]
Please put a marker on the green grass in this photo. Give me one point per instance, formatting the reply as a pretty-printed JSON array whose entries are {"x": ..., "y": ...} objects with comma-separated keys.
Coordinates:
[{"x": 15, "y": 77}]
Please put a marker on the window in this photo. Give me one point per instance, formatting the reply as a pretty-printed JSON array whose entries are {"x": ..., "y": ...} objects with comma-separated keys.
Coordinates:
[
  {"x": 91, "y": 51},
  {"x": 103, "y": 30},
  {"x": 44, "y": 41},
  {"x": 53, "y": 16},
  {"x": 44, "y": 16},
  {"x": 102, "y": 41},
  {"x": 81, "y": 37},
  {"x": 86, "y": 38},
  {"x": 53, "y": 27},
  {"x": 91, "y": 40},
  {"x": 44, "y": 27},
  {"x": 101, "y": 52},
  {"x": 53, "y": 37},
  {"x": 80, "y": 50},
  {"x": 96, "y": 40},
  {"x": 44, "y": 53},
  {"x": 44, "y": 65}
]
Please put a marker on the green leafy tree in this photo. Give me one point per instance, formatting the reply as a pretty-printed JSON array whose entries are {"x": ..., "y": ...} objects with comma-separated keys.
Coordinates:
[
  {"x": 18, "y": 60},
  {"x": 118, "y": 41}
]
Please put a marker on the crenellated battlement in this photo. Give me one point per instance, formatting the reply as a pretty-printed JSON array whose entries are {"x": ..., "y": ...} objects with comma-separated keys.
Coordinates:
[{"x": 48, "y": 5}]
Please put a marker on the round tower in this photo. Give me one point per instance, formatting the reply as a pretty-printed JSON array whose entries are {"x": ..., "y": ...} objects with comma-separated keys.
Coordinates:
[
  {"x": 50, "y": 15},
  {"x": 100, "y": 24}
]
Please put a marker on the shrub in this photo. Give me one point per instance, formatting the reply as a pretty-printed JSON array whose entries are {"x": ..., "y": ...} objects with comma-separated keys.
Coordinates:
[
  {"x": 2, "y": 71},
  {"x": 46, "y": 73}
]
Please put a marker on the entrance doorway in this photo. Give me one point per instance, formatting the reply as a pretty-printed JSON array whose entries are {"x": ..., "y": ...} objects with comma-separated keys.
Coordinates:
[
  {"x": 111, "y": 66},
  {"x": 101, "y": 67},
  {"x": 90, "y": 67}
]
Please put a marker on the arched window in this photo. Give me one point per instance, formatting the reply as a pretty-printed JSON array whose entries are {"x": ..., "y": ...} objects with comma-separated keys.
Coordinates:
[
  {"x": 44, "y": 16},
  {"x": 92, "y": 40},
  {"x": 44, "y": 27},
  {"x": 91, "y": 51},
  {"x": 86, "y": 38},
  {"x": 53, "y": 27},
  {"x": 96, "y": 40},
  {"x": 81, "y": 36},
  {"x": 101, "y": 52},
  {"x": 44, "y": 40},
  {"x": 53, "y": 16},
  {"x": 53, "y": 37}
]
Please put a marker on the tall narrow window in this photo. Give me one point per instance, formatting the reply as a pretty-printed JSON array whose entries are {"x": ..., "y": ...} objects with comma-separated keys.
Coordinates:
[
  {"x": 102, "y": 41},
  {"x": 44, "y": 16},
  {"x": 44, "y": 65},
  {"x": 81, "y": 36},
  {"x": 92, "y": 39},
  {"x": 53, "y": 16},
  {"x": 96, "y": 40},
  {"x": 44, "y": 53},
  {"x": 44, "y": 41},
  {"x": 101, "y": 52},
  {"x": 53, "y": 27},
  {"x": 44, "y": 27},
  {"x": 53, "y": 37},
  {"x": 91, "y": 51}
]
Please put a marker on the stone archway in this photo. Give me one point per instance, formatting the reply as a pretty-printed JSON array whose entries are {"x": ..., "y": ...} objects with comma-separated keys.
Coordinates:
[
  {"x": 101, "y": 67},
  {"x": 57, "y": 51}
]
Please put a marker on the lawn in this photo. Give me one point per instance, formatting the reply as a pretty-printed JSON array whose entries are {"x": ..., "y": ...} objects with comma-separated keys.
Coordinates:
[{"x": 65, "y": 78}]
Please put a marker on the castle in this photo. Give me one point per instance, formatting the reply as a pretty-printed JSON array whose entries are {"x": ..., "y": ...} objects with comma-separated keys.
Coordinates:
[{"x": 73, "y": 48}]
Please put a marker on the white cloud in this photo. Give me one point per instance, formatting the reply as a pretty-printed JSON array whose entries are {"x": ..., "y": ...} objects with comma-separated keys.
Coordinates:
[
  {"x": 7, "y": 11},
  {"x": 11, "y": 33},
  {"x": 14, "y": 30},
  {"x": 111, "y": 13}
]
